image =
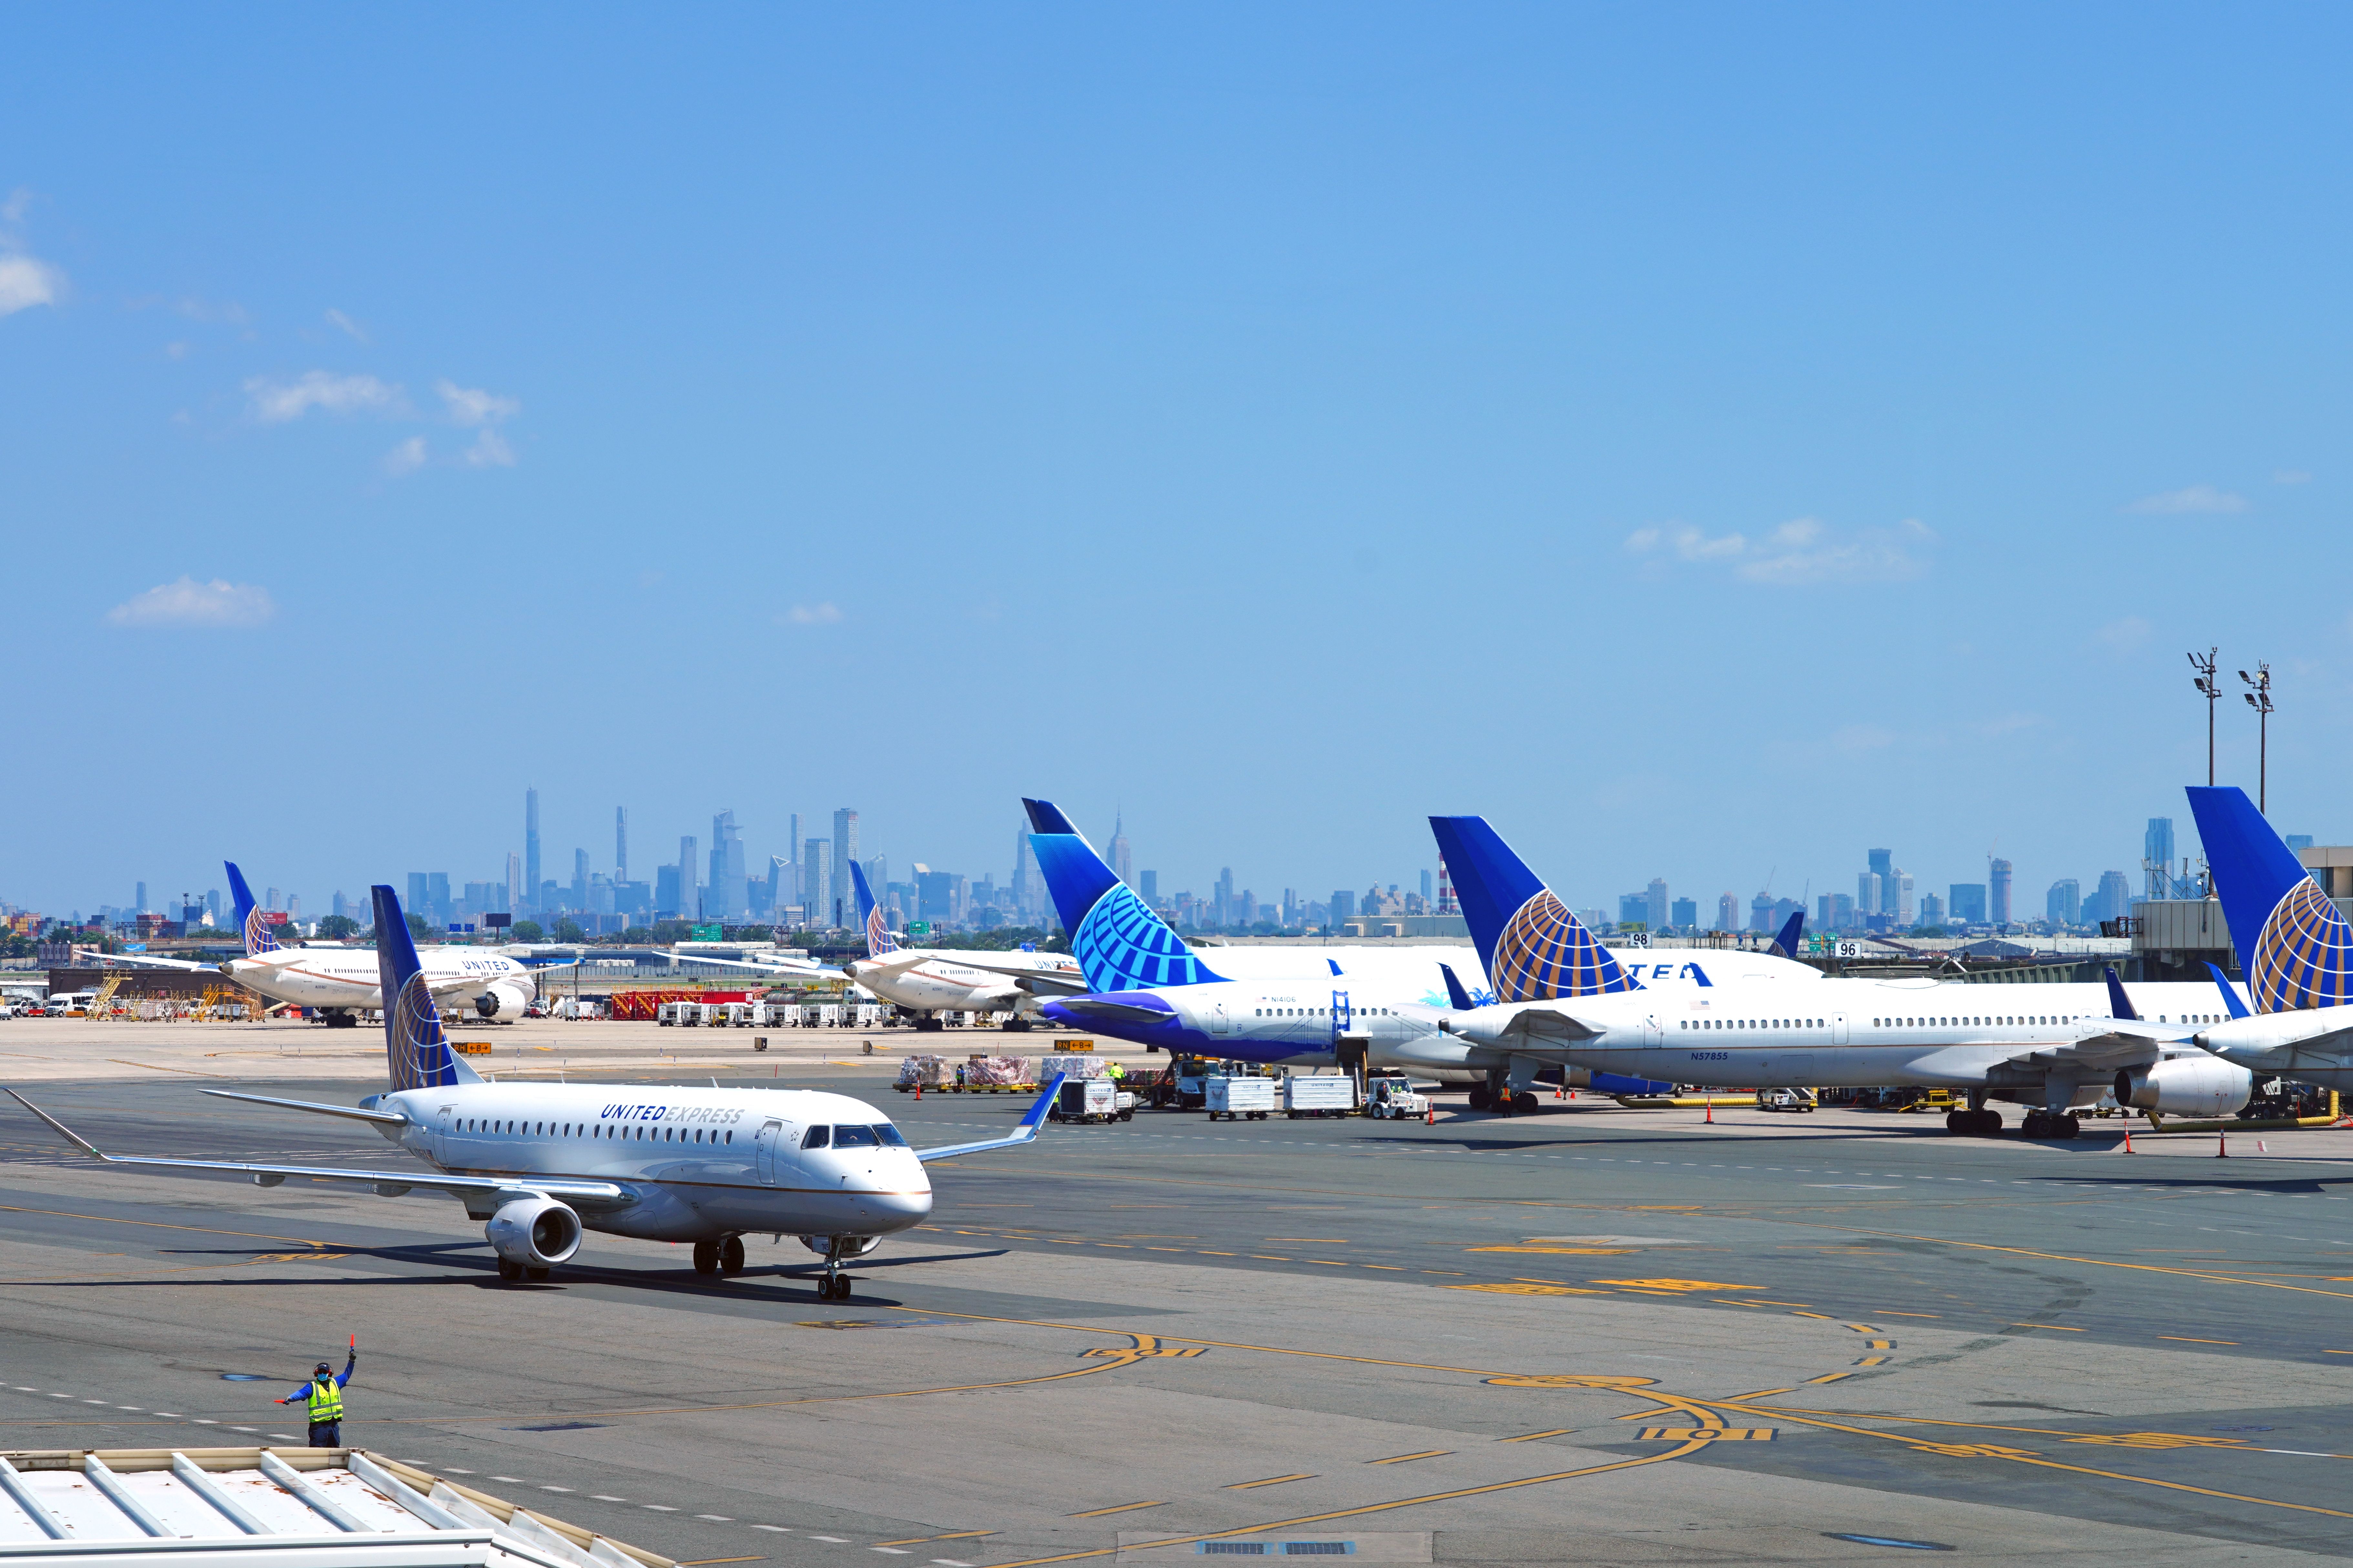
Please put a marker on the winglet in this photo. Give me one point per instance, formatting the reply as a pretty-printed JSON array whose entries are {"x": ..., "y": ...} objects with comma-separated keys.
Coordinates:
[
  {"x": 1035, "y": 1114},
  {"x": 879, "y": 940},
  {"x": 1792, "y": 934},
  {"x": 258, "y": 935},
  {"x": 1456, "y": 998},
  {"x": 84, "y": 1144},
  {"x": 2120, "y": 1004},
  {"x": 2230, "y": 998}
]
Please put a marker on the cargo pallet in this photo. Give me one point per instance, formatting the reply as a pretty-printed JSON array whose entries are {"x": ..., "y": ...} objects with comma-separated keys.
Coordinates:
[{"x": 969, "y": 1088}]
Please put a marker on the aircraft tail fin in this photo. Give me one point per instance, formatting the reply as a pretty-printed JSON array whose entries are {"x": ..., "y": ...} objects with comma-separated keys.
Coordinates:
[
  {"x": 1792, "y": 934},
  {"x": 1535, "y": 949},
  {"x": 2230, "y": 1002},
  {"x": 879, "y": 940},
  {"x": 2295, "y": 948},
  {"x": 416, "y": 1053},
  {"x": 2120, "y": 1004},
  {"x": 1120, "y": 943},
  {"x": 258, "y": 936},
  {"x": 1456, "y": 998},
  {"x": 1045, "y": 816}
]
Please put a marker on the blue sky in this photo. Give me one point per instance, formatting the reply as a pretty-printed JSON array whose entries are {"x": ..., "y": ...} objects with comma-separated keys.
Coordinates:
[{"x": 1709, "y": 440}]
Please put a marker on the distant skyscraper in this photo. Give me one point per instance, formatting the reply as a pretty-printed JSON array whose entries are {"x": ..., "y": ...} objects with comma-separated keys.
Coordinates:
[
  {"x": 1883, "y": 866},
  {"x": 1122, "y": 863},
  {"x": 1900, "y": 903},
  {"x": 142, "y": 899},
  {"x": 1932, "y": 910},
  {"x": 817, "y": 880},
  {"x": 419, "y": 902},
  {"x": 2064, "y": 905},
  {"x": 1634, "y": 910},
  {"x": 212, "y": 909},
  {"x": 1148, "y": 883},
  {"x": 689, "y": 869},
  {"x": 1344, "y": 905},
  {"x": 531, "y": 843},
  {"x": 580, "y": 878},
  {"x": 1426, "y": 888},
  {"x": 1997, "y": 889},
  {"x": 1027, "y": 896},
  {"x": 1966, "y": 902},
  {"x": 620, "y": 844},
  {"x": 1727, "y": 913},
  {"x": 666, "y": 893},
  {"x": 1683, "y": 914},
  {"x": 2114, "y": 899},
  {"x": 725, "y": 902},
  {"x": 2299, "y": 841},
  {"x": 515, "y": 884},
  {"x": 845, "y": 850},
  {"x": 1655, "y": 902},
  {"x": 2157, "y": 853},
  {"x": 1866, "y": 892},
  {"x": 1760, "y": 913}
]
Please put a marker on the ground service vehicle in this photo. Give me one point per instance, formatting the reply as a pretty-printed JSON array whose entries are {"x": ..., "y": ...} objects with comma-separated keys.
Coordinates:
[
  {"x": 1235, "y": 1098},
  {"x": 1094, "y": 1100},
  {"x": 1389, "y": 1097}
]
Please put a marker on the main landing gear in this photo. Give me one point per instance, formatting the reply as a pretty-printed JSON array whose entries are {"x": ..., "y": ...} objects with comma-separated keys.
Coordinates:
[
  {"x": 724, "y": 1255},
  {"x": 1974, "y": 1123},
  {"x": 2053, "y": 1124},
  {"x": 511, "y": 1271},
  {"x": 1502, "y": 1100}
]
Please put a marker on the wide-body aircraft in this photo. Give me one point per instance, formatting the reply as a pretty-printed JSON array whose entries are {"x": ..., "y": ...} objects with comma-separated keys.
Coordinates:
[
  {"x": 929, "y": 981},
  {"x": 2050, "y": 1046},
  {"x": 541, "y": 1164}
]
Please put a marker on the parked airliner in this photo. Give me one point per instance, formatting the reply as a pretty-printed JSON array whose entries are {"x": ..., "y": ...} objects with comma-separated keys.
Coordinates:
[
  {"x": 541, "y": 1164},
  {"x": 2052, "y": 1047},
  {"x": 929, "y": 981}
]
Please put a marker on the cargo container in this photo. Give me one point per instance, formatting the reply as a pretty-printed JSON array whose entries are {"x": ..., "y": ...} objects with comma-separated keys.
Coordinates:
[
  {"x": 1237, "y": 1098},
  {"x": 1319, "y": 1094}
]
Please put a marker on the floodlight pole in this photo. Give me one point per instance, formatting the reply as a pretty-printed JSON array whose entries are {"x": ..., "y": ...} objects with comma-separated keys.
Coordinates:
[
  {"x": 2210, "y": 688},
  {"x": 2260, "y": 700}
]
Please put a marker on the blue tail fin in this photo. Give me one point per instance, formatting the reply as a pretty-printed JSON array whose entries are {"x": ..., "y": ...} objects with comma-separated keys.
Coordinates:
[
  {"x": 1456, "y": 998},
  {"x": 1120, "y": 943},
  {"x": 2237, "y": 1009},
  {"x": 259, "y": 937},
  {"x": 1045, "y": 816},
  {"x": 1794, "y": 932},
  {"x": 1535, "y": 949},
  {"x": 2120, "y": 1004},
  {"x": 2295, "y": 948},
  {"x": 879, "y": 940},
  {"x": 414, "y": 1051}
]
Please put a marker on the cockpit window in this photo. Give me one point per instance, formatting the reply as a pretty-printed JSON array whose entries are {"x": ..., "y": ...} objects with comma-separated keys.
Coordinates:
[
  {"x": 817, "y": 1137},
  {"x": 849, "y": 1136},
  {"x": 887, "y": 1135}
]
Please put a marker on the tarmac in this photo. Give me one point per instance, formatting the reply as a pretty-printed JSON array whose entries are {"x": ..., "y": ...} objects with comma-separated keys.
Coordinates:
[{"x": 1591, "y": 1334}]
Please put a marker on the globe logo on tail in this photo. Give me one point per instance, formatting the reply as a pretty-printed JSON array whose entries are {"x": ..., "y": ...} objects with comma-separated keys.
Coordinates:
[
  {"x": 2304, "y": 957},
  {"x": 879, "y": 940},
  {"x": 1123, "y": 946},
  {"x": 259, "y": 936},
  {"x": 416, "y": 1055},
  {"x": 1543, "y": 952}
]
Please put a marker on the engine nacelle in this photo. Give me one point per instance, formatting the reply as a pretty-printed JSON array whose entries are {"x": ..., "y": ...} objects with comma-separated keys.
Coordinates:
[
  {"x": 536, "y": 1232},
  {"x": 503, "y": 1002},
  {"x": 2185, "y": 1085}
]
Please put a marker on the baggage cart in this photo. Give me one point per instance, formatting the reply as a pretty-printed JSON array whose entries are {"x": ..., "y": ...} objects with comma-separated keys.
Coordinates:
[
  {"x": 1318, "y": 1094},
  {"x": 1093, "y": 1101},
  {"x": 1238, "y": 1097}
]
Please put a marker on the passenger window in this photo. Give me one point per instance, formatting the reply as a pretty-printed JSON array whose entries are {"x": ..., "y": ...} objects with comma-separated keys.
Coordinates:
[
  {"x": 849, "y": 1135},
  {"x": 817, "y": 1138}
]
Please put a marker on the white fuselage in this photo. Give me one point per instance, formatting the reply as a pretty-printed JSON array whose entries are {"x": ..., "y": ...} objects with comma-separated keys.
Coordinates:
[
  {"x": 346, "y": 976},
  {"x": 693, "y": 1163},
  {"x": 1402, "y": 974},
  {"x": 1852, "y": 1033},
  {"x": 939, "y": 983}
]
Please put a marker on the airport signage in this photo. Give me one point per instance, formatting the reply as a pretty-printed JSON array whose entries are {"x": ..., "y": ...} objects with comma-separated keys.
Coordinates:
[
  {"x": 708, "y": 933},
  {"x": 919, "y": 928}
]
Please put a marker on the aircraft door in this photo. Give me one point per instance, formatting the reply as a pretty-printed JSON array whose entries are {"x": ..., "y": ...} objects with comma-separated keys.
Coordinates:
[
  {"x": 764, "y": 1143},
  {"x": 442, "y": 1121},
  {"x": 1219, "y": 1024},
  {"x": 1653, "y": 1033},
  {"x": 1838, "y": 1028}
]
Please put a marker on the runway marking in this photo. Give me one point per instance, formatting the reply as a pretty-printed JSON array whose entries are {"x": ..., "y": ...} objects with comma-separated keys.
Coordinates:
[
  {"x": 1532, "y": 1437},
  {"x": 2060, "y": 1327},
  {"x": 150, "y": 1066},
  {"x": 1401, "y": 1458},
  {"x": 159, "y": 1225},
  {"x": 1761, "y": 1393},
  {"x": 2215, "y": 1276},
  {"x": 1091, "y": 1513},
  {"x": 1270, "y": 1481},
  {"x": 2190, "y": 1340}
]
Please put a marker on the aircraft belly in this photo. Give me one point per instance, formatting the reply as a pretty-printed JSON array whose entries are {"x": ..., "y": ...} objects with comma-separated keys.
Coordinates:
[{"x": 691, "y": 1213}]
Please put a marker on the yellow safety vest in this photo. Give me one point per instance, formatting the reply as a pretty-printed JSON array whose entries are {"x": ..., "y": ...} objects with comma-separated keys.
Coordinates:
[{"x": 326, "y": 1401}]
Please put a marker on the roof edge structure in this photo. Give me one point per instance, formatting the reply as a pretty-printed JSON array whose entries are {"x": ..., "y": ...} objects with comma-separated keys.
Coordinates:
[{"x": 271, "y": 1508}]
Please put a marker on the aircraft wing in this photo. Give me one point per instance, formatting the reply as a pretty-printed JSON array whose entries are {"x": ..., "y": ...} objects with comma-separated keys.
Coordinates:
[
  {"x": 386, "y": 1183},
  {"x": 1531, "y": 1026},
  {"x": 388, "y": 1118},
  {"x": 2121, "y": 1043},
  {"x": 140, "y": 960},
  {"x": 1036, "y": 981},
  {"x": 1022, "y": 1134},
  {"x": 1114, "y": 1012}
]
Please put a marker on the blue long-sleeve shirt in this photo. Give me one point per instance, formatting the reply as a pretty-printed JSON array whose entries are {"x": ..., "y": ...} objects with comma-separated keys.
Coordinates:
[{"x": 302, "y": 1394}]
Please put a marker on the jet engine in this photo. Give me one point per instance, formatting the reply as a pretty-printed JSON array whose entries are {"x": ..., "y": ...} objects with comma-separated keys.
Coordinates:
[
  {"x": 2185, "y": 1085},
  {"x": 535, "y": 1232},
  {"x": 501, "y": 1001}
]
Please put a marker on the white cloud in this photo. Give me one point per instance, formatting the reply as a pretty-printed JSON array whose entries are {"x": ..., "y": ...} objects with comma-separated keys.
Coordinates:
[
  {"x": 358, "y": 333},
  {"x": 472, "y": 406},
  {"x": 19, "y": 202},
  {"x": 1803, "y": 550},
  {"x": 2125, "y": 636},
  {"x": 188, "y": 603},
  {"x": 276, "y": 402},
  {"x": 27, "y": 281},
  {"x": 2196, "y": 498},
  {"x": 1864, "y": 738},
  {"x": 823, "y": 614},
  {"x": 406, "y": 457},
  {"x": 2291, "y": 476},
  {"x": 489, "y": 451}
]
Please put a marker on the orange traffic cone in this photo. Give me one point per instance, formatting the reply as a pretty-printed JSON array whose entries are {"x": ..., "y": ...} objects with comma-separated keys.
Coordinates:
[{"x": 1711, "y": 1113}]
